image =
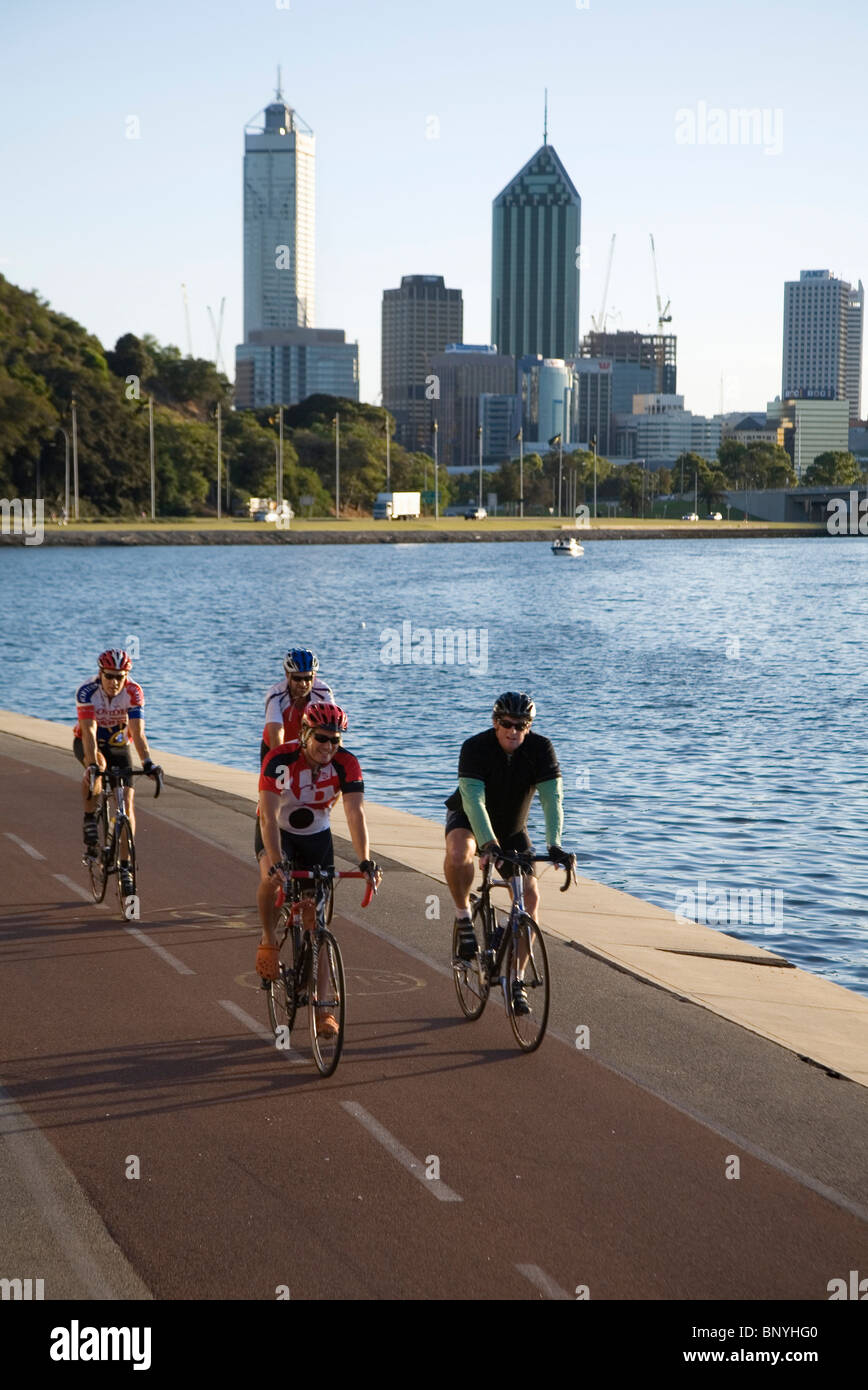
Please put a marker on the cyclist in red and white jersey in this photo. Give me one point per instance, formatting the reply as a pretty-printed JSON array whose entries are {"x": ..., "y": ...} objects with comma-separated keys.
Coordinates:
[
  {"x": 300, "y": 782},
  {"x": 110, "y": 712},
  {"x": 287, "y": 699}
]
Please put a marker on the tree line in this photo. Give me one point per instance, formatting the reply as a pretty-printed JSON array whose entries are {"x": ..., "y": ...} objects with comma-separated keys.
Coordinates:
[{"x": 47, "y": 360}]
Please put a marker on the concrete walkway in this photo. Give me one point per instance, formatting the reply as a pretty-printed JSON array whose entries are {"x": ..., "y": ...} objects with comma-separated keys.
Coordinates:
[{"x": 746, "y": 984}]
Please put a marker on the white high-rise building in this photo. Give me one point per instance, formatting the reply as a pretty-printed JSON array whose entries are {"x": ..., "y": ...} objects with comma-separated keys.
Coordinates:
[
  {"x": 284, "y": 358},
  {"x": 822, "y": 357},
  {"x": 278, "y": 221}
]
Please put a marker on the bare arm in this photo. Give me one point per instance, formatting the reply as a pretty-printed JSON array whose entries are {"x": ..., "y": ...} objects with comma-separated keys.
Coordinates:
[
  {"x": 137, "y": 734},
  {"x": 88, "y": 744},
  {"x": 269, "y": 805},
  {"x": 354, "y": 808},
  {"x": 274, "y": 735}
]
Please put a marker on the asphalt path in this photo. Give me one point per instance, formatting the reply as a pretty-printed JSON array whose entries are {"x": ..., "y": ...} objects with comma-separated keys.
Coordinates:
[{"x": 438, "y": 1162}]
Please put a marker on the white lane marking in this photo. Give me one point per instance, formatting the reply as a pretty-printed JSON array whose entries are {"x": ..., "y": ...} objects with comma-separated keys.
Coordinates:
[
  {"x": 167, "y": 956},
  {"x": 77, "y": 888},
  {"x": 22, "y": 844},
  {"x": 437, "y": 1188},
  {"x": 541, "y": 1280},
  {"x": 262, "y": 1032},
  {"x": 90, "y": 1264}
]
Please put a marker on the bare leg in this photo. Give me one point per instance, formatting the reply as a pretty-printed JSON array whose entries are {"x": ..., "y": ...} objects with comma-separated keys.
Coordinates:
[{"x": 459, "y": 867}]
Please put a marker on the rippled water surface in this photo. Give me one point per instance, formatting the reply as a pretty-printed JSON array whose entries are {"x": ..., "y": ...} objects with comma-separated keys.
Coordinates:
[{"x": 705, "y": 698}]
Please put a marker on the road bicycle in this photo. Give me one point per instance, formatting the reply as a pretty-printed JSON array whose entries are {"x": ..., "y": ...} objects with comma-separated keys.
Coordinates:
[
  {"x": 510, "y": 952},
  {"x": 310, "y": 969},
  {"x": 113, "y": 832}
]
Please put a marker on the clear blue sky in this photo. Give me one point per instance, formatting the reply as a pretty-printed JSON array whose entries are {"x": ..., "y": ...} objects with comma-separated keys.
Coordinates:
[{"x": 106, "y": 228}]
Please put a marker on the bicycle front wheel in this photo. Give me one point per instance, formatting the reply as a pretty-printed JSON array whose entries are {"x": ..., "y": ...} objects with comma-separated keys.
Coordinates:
[
  {"x": 471, "y": 976},
  {"x": 527, "y": 964},
  {"x": 126, "y": 849},
  {"x": 282, "y": 997},
  {"x": 327, "y": 1003},
  {"x": 98, "y": 862}
]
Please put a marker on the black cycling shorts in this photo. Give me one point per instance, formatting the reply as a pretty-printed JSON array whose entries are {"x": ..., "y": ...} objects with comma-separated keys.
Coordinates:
[
  {"x": 115, "y": 757},
  {"x": 302, "y": 850},
  {"x": 519, "y": 843}
]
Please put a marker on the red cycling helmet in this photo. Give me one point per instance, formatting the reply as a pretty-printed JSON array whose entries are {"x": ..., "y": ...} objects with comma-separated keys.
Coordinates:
[
  {"x": 322, "y": 716},
  {"x": 115, "y": 660}
]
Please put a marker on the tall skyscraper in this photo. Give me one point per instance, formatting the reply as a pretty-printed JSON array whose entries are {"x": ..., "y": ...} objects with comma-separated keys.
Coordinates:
[
  {"x": 419, "y": 319},
  {"x": 537, "y": 227},
  {"x": 278, "y": 221},
  {"x": 283, "y": 357},
  {"x": 822, "y": 357}
]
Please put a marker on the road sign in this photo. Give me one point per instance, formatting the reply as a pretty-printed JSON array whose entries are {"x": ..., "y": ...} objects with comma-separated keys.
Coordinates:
[{"x": 428, "y": 498}]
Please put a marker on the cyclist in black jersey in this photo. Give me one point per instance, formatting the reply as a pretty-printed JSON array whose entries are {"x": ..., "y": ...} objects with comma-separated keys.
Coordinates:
[{"x": 498, "y": 772}]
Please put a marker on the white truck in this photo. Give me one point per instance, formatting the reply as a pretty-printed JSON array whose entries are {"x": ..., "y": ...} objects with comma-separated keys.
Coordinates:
[{"x": 397, "y": 506}]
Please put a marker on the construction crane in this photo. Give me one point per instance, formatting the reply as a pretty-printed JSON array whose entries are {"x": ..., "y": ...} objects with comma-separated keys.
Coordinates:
[
  {"x": 598, "y": 324},
  {"x": 217, "y": 330},
  {"x": 663, "y": 314},
  {"x": 187, "y": 321}
]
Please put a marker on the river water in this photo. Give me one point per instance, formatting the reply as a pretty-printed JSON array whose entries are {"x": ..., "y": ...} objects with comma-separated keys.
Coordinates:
[{"x": 705, "y": 697}]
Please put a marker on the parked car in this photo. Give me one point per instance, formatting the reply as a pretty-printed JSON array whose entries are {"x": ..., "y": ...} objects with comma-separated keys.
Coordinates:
[
  {"x": 475, "y": 514},
  {"x": 715, "y": 516},
  {"x": 692, "y": 516}
]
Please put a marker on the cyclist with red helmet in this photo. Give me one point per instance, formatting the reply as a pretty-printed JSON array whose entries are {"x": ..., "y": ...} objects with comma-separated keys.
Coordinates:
[
  {"x": 110, "y": 712},
  {"x": 287, "y": 699},
  {"x": 498, "y": 772},
  {"x": 300, "y": 782}
]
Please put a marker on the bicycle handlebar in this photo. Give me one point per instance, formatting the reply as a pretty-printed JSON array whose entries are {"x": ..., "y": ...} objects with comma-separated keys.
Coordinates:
[
  {"x": 519, "y": 858},
  {"x": 114, "y": 775},
  {"x": 330, "y": 873}
]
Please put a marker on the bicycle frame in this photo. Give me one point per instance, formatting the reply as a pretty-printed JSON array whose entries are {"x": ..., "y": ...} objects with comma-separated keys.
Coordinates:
[{"x": 314, "y": 976}]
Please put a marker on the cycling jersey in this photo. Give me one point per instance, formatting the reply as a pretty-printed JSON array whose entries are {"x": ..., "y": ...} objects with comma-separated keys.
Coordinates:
[
  {"x": 112, "y": 713},
  {"x": 280, "y": 709},
  {"x": 510, "y": 779},
  {"x": 308, "y": 793}
]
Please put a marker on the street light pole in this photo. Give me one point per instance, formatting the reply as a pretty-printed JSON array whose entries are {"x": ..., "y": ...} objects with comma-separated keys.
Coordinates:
[
  {"x": 436, "y": 476},
  {"x": 75, "y": 458},
  {"x": 560, "y": 474},
  {"x": 151, "y": 437},
  {"x": 279, "y": 488},
  {"x": 337, "y": 466},
  {"x": 594, "y": 447},
  {"x": 521, "y": 471},
  {"x": 388, "y": 451},
  {"x": 479, "y": 440},
  {"x": 62, "y": 431},
  {"x": 219, "y": 452}
]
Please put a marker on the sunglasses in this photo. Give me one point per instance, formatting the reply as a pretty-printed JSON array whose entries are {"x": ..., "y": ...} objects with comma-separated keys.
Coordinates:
[
  {"x": 510, "y": 724},
  {"x": 328, "y": 738},
  {"x": 114, "y": 675},
  {"x": 305, "y": 680}
]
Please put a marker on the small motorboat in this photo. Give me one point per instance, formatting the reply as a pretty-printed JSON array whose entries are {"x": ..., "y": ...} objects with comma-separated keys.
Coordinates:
[{"x": 565, "y": 546}]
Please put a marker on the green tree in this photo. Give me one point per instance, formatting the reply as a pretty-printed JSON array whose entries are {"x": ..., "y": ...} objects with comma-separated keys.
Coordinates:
[{"x": 835, "y": 468}]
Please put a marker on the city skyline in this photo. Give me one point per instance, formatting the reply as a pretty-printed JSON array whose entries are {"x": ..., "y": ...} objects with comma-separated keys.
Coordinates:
[{"x": 145, "y": 196}]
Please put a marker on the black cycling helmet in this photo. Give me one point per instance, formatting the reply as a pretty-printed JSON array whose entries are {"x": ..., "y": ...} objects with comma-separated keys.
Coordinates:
[
  {"x": 300, "y": 662},
  {"x": 514, "y": 706}
]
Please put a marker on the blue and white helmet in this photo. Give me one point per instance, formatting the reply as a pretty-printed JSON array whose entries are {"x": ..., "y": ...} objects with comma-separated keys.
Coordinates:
[{"x": 300, "y": 662}]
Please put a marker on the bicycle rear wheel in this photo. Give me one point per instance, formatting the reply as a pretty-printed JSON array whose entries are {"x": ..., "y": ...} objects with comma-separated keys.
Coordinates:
[
  {"x": 327, "y": 1003},
  {"x": 471, "y": 976},
  {"x": 130, "y": 855},
  {"x": 527, "y": 963},
  {"x": 282, "y": 997},
  {"x": 97, "y": 863}
]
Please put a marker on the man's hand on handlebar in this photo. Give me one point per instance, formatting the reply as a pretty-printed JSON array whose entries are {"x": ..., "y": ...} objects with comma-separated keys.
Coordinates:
[
  {"x": 566, "y": 861},
  {"x": 372, "y": 871},
  {"x": 151, "y": 769}
]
